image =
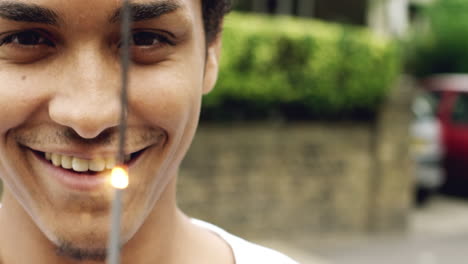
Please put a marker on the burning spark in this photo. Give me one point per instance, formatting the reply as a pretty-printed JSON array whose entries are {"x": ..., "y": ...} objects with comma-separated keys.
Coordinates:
[{"x": 119, "y": 178}]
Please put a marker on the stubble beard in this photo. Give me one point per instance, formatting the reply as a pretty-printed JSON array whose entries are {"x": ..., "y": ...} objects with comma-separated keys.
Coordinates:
[{"x": 71, "y": 251}]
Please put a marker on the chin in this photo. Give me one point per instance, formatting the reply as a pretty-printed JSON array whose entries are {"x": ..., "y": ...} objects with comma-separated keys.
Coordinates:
[
  {"x": 81, "y": 246},
  {"x": 69, "y": 233},
  {"x": 85, "y": 236},
  {"x": 73, "y": 251}
]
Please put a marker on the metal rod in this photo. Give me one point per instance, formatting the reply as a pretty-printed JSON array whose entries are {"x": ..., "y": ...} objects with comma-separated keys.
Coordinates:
[
  {"x": 125, "y": 62},
  {"x": 114, "y": 236},
  {"x": 113, "y": 256}
]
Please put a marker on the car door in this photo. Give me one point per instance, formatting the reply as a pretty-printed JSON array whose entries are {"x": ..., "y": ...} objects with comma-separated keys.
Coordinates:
[{"x": 457, "y": 131}]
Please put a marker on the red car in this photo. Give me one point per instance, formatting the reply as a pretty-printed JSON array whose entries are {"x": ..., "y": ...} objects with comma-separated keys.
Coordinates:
[{"x": 451, "y": 92}]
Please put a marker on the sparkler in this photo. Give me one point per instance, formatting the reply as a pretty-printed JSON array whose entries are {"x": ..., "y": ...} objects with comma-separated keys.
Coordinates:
[
  {"x": 119, "y": 177},
  {"x": 119, "y": 181}
]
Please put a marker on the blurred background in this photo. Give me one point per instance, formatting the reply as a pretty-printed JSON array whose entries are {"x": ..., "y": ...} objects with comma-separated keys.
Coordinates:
[{"x": 338, "y": 131}]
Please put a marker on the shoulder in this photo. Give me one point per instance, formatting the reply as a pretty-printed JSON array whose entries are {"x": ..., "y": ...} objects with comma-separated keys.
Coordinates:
[
  {"x": 246, "y": 252},
  {"x": 250, "y": 253}
]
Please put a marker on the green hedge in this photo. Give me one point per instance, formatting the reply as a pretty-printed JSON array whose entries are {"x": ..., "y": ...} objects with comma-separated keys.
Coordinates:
[
  {"x": 283, "y": 67},
  {"x": 440, "y": 45}
]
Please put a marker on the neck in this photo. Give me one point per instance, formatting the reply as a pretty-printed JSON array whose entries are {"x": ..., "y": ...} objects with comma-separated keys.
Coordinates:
[{"x": 164, "y": 230}]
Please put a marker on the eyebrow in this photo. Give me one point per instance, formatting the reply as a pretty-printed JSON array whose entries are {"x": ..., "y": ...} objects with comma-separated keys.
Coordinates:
[
  {"x": 31, "y": 13},
  {"x": 146, "y": 11}
]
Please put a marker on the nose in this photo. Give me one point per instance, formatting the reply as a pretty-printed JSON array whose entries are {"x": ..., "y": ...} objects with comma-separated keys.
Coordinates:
[{"x": 86, "y": 98}]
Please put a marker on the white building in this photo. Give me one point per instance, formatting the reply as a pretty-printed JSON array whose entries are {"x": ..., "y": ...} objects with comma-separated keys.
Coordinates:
[{"x": 389, "y": 17}]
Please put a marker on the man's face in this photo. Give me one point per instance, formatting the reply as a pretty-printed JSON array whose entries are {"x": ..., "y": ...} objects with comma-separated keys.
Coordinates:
[{"x": 59, "y": 98}]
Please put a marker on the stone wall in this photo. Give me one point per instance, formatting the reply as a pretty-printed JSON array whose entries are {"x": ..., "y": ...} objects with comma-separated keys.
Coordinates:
[
  {"x": 392, "y": 185},
  {"x": 287, "y": 180}
]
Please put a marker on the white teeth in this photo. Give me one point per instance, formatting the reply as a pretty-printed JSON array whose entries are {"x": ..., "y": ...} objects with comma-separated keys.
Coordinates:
[
  {"x": 110, "y": 163},
  {"x": 97, "y": 164},
  {"x": 67, "y": 162},
  {"x": 82, "y": 165},
  {"x": 56, "y": 159}
]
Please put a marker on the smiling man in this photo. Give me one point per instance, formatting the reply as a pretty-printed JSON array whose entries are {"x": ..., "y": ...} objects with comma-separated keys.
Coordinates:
[{"x": 59, "y": 98}]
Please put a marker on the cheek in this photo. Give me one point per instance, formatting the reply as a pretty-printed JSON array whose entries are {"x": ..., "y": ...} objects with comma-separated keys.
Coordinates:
[
  {"x": 20, "y": 96},
  {"x": 167, "y": 98}
]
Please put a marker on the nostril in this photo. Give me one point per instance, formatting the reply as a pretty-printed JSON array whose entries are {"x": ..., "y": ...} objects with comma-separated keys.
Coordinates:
[{"x": 85, "y": 118}]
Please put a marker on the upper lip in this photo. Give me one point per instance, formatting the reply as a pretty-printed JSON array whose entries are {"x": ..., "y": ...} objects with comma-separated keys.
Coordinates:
[{"x": 90, "y": 150}]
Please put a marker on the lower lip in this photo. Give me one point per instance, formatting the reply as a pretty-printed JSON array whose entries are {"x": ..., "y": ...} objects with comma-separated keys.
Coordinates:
[{"x": 72, "y": 180}]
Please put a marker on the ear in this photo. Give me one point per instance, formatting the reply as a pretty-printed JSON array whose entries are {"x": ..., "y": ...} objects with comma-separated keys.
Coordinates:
[{"x": 212, "y": 64}]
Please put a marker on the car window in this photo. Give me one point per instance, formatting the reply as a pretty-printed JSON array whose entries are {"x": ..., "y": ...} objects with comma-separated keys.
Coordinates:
[
  {"x": 425, "y": 104},
  {"x": 460, "y": 111}
]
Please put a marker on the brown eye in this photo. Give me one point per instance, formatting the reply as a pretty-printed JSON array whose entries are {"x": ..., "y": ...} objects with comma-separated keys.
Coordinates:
[
  {"x": 145, "y": 38},
  {"x": 149, "y": 47},
  {"x": 26, "y": 38},
  {"x": 27, "y": 46}
]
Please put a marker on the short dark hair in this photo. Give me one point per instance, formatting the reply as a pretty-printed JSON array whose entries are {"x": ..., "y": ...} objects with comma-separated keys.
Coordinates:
[{"x": 213, "y": 13}]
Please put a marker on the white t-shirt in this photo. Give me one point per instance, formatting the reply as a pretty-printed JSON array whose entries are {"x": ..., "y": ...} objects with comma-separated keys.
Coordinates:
[{"x": 246, "y": 252}]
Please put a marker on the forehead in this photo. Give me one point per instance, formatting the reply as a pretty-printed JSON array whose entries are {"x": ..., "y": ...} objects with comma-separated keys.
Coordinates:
[{"x": 96, "y": 11}]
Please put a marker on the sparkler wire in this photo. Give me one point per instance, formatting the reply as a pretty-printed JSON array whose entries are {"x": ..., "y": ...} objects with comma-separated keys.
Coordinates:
[
  {"x": 114, "y": 236},
  {"x": 125, "y": 62}
]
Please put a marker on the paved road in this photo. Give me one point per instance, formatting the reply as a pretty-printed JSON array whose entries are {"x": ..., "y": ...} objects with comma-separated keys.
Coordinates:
[{"x": 438, "y": 235}]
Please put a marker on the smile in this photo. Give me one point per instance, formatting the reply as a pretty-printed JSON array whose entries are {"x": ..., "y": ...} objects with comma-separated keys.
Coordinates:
[
  {"x": 82, "y": 165},
  {"x": 80, "y": 173},
  {"x": 86, "y": 166}
]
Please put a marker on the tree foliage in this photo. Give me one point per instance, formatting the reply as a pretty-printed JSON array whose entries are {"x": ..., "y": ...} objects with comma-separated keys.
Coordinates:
[{"x": 291, "y": 68}]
